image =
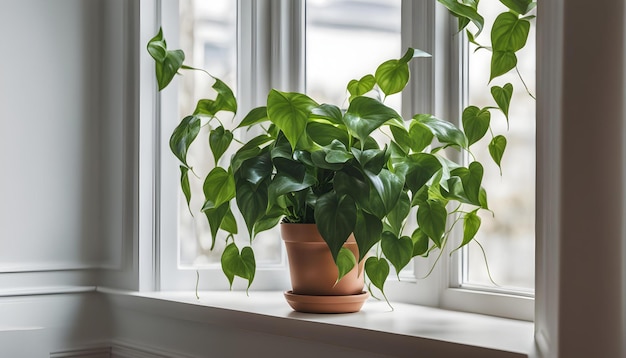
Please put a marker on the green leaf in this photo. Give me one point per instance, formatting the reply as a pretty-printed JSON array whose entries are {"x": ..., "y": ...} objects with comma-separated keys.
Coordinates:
[
  {"x": 219, "y": 140},
  {"x": 318, "y": 158},
  {"x": 362, "y": 86},
  {"x": 157, "y": 48},
  {"x": 255, "y": 116},
  {"x": 335, "y": 218},
  {"x": 249, "y": 150},
  {"x": 283, "y": 183},
  {"x": 350, "y": 181},
  {"x": 235, "y": 264},
  {"x": 475, "y": 123},
  {"x": 256, "y": 169},
  {"x": 421, "y": 136},
  {"x": 219, "y": 188},
  {"x": 471, "y": 178},
  {"x": 345, "y": 262},
  {"x": 225, "y": 98},
  {"x": 229, "y": 223},
  {"x": 471, "y": 224},
  {"x": 290, "y": 113},
  {"x": 502, "y": 96},
  {"x": 445, "y": 131},
  {"x": 327, "y": 112},
  {"x": 399, "y": 213},
  {"x": 252, "y": 202},
  {"x": 365, "y": 115},
  {"x": 377, "y": 269},
  {"x": 462, "y": 11},
  {"x": 521, "y": 7},
  {"x": 183, "y": 136},
  {"x": 323, "y": 134},
  {"x": 418, "y": 169},
  {"x": 509, "y": 32},
  {"x": 496, "y": 149},
  {"x": 184, "y": 185},
  {"x": 431, "y": 218},
  {"x": 388, "y": 186},
  {"x": 215, "y": 218},
  {"x": 367, "y": 232},
  {"x": 501, "y": 63},
  {"x": 397, "y": 250},
  {"x": 372, "y": 160},
  {"x": 420, "y": 242},
  {"x": 392, "y": 76},
  {"x": 337, "y": 152}
]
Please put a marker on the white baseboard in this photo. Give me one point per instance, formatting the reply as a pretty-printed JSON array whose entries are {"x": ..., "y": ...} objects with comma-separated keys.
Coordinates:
[
  {"x": 99, "y": 352},
  {"x": 130, "y": 350}
]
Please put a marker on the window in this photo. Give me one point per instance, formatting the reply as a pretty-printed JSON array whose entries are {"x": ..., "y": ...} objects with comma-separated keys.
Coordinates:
[
  {"x": 258, "y": 45},
  {"x": 509, "y": 237}
]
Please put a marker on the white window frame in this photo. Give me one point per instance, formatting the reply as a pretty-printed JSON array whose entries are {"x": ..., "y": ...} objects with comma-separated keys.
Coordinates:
[{"x": 276, "y": 60}]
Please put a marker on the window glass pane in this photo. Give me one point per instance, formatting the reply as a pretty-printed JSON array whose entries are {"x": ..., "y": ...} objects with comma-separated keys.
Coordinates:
[
  {"x": 345, "y": 40},
  {"x": 509, "y": 237},
  {"x": 208, "y": 35}
]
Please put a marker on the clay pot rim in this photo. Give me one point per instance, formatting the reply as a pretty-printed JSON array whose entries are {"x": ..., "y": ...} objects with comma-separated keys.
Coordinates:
[{"x": 307, "y": 234}]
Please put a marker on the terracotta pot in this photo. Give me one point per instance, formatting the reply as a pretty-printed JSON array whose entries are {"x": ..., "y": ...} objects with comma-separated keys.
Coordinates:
[{"x": 313, "y": 271}]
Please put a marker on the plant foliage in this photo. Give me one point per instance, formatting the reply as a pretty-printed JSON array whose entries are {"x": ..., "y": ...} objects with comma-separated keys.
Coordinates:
[{"x": 318, "y": 163}]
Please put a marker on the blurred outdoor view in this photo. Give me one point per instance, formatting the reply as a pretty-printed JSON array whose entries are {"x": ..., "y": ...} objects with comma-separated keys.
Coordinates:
[
  {"x": 346, "y": 39},
  {"x": 509, "y": 237}
]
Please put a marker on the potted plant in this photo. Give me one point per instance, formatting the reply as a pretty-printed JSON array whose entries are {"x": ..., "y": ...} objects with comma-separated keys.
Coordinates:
[{"x": 317, "y": 171}]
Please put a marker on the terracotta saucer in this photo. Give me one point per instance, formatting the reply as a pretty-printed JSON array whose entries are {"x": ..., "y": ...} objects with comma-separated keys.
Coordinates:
[{"x": 326, "y": 304}]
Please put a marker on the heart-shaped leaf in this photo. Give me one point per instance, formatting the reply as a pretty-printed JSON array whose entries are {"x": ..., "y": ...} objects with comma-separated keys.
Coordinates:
[
  {"x": 392, "y": 76},
  {"x": 502, "y": 96},
  {"x": 252, "y": 202},
  {"x": 471, "y": 224},
  {"x": 397, "y": 250},
  {"x": 501, "y": 63},
  {"x": 475, "y": 123},
  {"x": 431, "y": 218},
  {"x": 365, "y": 115},
  {"x": 418, "y": 169},
  {"x": 215, "y": 218},
  {"x": 509, "y": 32},
  {"x": 235, "y": 264},
  {"x": 182, "y": 137},
  {"x": 290, "y": 112},
  {"x": 367, "y": 232},
  {"x": 496, "y": 150},
  {"x": 388, "y": 186},
  {"x": 345, "y": 262},
  {"x": 219, "y": 188},
  {"x": 377, "y": 269},
  {"x": 362, "y": 86},
  {"x": 471, "y": 178},
  {"x": 219, "y": 141},
  {"x": 398, "y": 214},
  {"x": 420, "y": 242},
  {"x": 445, "y": 131},
  {"x": 335, "y": 218},
  {"x": 327, "y": 112}
]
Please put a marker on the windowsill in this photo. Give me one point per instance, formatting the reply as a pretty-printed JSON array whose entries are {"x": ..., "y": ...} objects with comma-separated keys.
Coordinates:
[{"x": 405, "y": 330}]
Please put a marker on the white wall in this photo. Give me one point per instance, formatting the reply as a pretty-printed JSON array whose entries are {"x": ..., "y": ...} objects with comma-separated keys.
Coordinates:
[{"x": 61, "y": 154}]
